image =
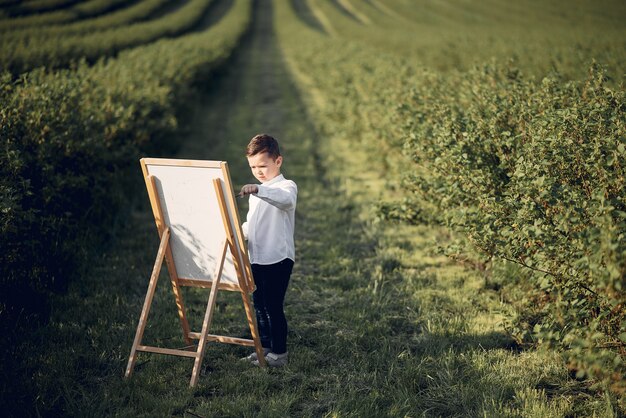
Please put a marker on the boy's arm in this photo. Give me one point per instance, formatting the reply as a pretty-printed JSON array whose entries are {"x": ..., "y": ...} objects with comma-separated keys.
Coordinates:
[{"x": 283, "y": 197}]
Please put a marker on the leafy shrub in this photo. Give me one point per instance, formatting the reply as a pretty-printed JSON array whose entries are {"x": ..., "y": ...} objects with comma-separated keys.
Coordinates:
[
  {"x": 65, "y": 15},
  {"x": 48, "y": 24},
  {"x": 533, "y": 174},
  {"x": 23, "y": 54},
  {"x": 66, "y": 139},
  {"x": 69, "y": 138}
]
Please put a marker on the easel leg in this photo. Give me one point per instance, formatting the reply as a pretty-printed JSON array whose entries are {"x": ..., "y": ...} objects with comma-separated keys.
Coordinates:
[
  {"x": 258, "y": 347},
  {"x": 208, "y": 315},
  {"x": 244, "y": 272},
  {"x": 156, "y": 270},
  {"x": 181, "y": 309}
]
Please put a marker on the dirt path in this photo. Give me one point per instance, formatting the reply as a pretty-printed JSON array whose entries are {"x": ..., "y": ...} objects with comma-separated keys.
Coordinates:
[
  {"x": 256, "y": 94},
  {"x": 253, "y": 95}
]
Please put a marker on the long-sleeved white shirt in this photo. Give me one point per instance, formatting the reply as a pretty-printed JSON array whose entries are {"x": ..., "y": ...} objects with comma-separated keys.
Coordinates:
[{"x": 269, "y": 226}]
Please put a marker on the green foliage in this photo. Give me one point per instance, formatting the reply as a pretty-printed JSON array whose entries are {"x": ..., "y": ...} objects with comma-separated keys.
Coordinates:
[
  {"x": 39, "y": 6},
  {"x": 66, "y": 136},
  {"x": 19, "y": 55},
  {"x": 533, "y": 173},
  {"x": 529, "y": 172},
  {"x": 457, "y": 34},
  {"x": 96, "y": 7},
  {"x": 375, "y": 330},
  {"x": 80, "y": 11},
  {"x": 68, "y": 139}
]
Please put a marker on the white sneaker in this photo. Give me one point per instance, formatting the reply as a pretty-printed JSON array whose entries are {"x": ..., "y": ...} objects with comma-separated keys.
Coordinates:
[
  {"x": 274, "y": 360},
  {"x": 253, "y": 357}
]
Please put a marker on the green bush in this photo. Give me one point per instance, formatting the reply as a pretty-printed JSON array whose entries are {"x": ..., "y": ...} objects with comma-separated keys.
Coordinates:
[
  {"x": 80, "y": 11},
  {"x": 69, "y": 138},
  {"x": 66, "y": 139},
  {"x": 533, "y": 174},
  {"x": 21, "y": 31},
  {"x": 39, "y": 6},
  {"x": 528, "y": 172},
  {"x": 23, "y": 54}
]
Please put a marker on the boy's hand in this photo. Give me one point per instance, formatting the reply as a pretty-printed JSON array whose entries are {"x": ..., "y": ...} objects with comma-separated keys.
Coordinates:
[{"x": 248, "y": 189}]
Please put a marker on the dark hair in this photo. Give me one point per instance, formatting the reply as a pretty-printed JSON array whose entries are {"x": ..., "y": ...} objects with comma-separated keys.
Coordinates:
[{"x": 263, "y": 143}]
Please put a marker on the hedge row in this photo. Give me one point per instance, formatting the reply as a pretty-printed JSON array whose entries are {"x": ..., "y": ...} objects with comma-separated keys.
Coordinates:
[
  {"x": 533, "y": 174},
  {"x": 8, "y": 3},
  {"x": 68, "y": 139},
  {"x": 39, "y": 6},
  {"x": 17, "y": 57},
  {"x": 530, "y": 173},
  {"x": 96, "y": 7},
  {"x": 137, "y": 12},
  {"x": 80, "y": 11}
]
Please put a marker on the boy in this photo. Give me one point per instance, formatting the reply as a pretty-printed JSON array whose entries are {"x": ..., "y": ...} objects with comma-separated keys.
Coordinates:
[{"x": 269, "y": 229}]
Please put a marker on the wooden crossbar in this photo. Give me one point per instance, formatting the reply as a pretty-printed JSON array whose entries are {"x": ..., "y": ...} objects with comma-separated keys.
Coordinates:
[
  {"x": 224, "y": 339},
  {"x": 169, "y": 351},
  {"x": 156, "y": 270},
  {"x": 206, "y": 284}
]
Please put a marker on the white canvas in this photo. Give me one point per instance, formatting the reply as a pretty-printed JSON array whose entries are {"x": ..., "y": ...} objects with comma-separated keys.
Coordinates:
[{"x": 191, "y": 210}]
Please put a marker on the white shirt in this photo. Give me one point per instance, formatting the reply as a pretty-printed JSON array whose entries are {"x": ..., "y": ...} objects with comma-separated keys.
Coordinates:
[{"x": 270, "y": 222}]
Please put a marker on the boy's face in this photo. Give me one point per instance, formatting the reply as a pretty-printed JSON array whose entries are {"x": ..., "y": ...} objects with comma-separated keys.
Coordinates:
[{"x": 263, "y": 167}]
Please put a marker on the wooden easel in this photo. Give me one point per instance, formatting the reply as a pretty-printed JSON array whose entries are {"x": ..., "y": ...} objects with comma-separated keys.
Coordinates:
[{"x": 245, "y": 283}]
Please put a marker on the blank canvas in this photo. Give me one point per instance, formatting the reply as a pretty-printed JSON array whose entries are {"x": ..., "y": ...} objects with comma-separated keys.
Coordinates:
[{"x": 191, "y": 210}]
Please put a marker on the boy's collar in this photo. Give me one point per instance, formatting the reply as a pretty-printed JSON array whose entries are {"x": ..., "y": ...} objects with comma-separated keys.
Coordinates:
[{"x": 279, "y": 177}]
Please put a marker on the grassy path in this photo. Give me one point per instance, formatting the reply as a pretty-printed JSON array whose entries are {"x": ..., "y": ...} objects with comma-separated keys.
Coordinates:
[
  {"x": 378, "y": 326},
  {"x": 80, "y": 356}
]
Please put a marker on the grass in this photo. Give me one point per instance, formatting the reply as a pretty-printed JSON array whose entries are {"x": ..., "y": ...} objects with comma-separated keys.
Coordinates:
[{"x": 380, "y": 324}]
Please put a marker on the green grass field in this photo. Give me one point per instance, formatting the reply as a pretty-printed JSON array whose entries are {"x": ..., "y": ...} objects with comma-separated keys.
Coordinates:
[{"x": 381, "y": 322}]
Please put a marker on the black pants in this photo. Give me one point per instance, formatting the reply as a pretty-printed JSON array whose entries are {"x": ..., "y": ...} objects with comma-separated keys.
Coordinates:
[{"x": 269, "y": 297}]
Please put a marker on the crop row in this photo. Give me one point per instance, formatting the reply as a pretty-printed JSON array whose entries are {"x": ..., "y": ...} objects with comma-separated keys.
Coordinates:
[
  {"x": 20, "y": 56},
  {"x": 444, "y": 36},
  {"x": 69, "y": 139},
  {"x": 528, "y": 175},
  {"x": 7, "y": 3},
  {"x": 38, "y": 6},
  {"x": 79, "y": 11},
  {"x": 30, "y": 36}
]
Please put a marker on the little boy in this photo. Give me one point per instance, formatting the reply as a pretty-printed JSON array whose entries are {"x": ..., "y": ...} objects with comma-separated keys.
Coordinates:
[{"x": 269, "y": 229}]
